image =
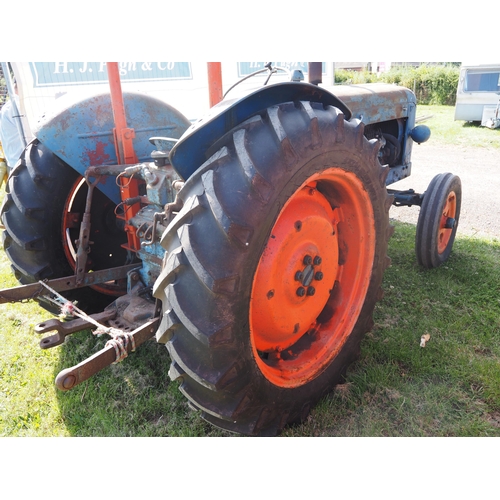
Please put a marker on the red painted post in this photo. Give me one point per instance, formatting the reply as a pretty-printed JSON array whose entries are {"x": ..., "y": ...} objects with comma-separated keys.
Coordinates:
[
  {"x": 125, "y": 153},
  {"x": 214, "y": 83},
  {"x": 123, "y": 134}
]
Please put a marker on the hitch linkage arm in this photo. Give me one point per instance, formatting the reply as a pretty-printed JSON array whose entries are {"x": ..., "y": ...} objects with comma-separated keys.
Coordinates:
[{"x": 70, "y": 377}]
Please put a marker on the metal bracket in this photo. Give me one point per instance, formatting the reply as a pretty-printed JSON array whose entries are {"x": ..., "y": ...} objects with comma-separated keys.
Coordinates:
[{"x": 83, "y": 243}]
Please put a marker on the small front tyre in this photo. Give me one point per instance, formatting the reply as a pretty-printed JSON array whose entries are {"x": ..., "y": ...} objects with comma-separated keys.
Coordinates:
[{"x": 438, "y": 220}]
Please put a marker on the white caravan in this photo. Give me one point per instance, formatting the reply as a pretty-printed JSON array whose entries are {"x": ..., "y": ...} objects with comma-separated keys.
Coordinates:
[{"x": 478, "y": 94}]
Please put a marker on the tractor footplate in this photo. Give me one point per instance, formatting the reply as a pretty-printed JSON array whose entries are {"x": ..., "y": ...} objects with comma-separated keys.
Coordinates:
[
  {"x": 65, "y": 328},
  {"x": 70, "y": 377}
]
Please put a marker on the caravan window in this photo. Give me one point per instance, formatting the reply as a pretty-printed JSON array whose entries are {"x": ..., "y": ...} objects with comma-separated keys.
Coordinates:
[{"x": 482, "y": 81}]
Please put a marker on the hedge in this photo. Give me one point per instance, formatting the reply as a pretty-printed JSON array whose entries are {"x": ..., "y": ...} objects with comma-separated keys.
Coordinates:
[{"x": 431, "y": 84}]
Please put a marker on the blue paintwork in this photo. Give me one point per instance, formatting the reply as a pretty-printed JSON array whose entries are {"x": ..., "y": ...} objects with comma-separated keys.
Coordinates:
[
  {"x": 80, "y": 131},
  {"x": 189, "y": 153},
  {"x": 377, "y": 102},
  {"x": 382, "y": 102}
]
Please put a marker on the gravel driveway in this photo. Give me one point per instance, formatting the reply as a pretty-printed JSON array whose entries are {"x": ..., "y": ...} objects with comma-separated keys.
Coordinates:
[{"x": 479, "y": 170}]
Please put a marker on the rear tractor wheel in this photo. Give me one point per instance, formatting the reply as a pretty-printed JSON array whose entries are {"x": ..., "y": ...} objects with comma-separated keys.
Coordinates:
[
  {"x": 438, "y": 220},
  {"x": 274, "y": 266},
  {"x": 42, "y": 212}
]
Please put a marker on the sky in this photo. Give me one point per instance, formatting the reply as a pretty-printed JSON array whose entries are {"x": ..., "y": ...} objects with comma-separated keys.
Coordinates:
[{"x": 259, "y": 30}]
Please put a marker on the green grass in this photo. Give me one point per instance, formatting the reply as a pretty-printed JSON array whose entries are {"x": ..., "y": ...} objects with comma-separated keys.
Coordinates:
[
  {"x": 397, "y": 388},
  {"x": 446, "y": 130}
]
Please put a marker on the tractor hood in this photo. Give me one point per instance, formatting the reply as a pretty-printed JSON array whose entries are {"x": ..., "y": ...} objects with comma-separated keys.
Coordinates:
[{"x": 377, "y": 102}]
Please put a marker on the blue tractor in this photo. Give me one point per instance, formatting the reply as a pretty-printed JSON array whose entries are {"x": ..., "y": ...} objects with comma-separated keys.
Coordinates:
[{"x": 252, "y": 243}]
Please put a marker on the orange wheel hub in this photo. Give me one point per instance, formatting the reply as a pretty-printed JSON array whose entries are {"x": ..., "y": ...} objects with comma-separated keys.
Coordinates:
[
  {"x": 312, "y": 277},
  {"x": 447, "y": 222}
]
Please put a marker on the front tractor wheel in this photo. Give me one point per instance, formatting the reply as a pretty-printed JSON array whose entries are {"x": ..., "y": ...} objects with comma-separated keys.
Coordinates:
[
  {"x": 274, "y": 266},
  {"x": 438, "y": 220}
]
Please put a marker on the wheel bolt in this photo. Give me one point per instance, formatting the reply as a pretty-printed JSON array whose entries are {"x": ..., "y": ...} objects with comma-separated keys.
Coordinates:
[
  {"x": 318, "y": 276},
  {"x": 301, "y": 291},
  {"x": 307, "y": 260},
  {"x": 317, "y": 260},
  {"x": 311, "y": 290},
  {"x": 299, "y": 276}
]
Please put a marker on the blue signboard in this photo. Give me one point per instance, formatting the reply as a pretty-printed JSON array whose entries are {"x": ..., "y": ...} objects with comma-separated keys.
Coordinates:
[
  {"x": 47, "y": 74},
  {"x": 246, "y": 68}
]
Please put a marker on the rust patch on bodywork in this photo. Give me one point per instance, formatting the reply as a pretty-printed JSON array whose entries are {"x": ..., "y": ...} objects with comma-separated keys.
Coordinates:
[{"x": 98, "y": 156}]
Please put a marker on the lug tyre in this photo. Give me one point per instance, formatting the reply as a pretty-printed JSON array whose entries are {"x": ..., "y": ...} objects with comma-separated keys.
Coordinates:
[
  {"x": 42, "y": 211},
  {"x": 273, "y": 267},
  {"x": 438, "y": 220}
]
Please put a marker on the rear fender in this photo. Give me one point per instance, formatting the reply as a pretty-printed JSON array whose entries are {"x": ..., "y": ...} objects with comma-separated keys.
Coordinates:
[
  {"x": 80, "y": 130},
  {"x": 194, "y": 147}
]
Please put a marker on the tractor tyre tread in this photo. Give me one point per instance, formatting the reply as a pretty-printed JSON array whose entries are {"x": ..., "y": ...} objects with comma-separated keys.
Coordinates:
[{"x": 213, "y": 244}]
